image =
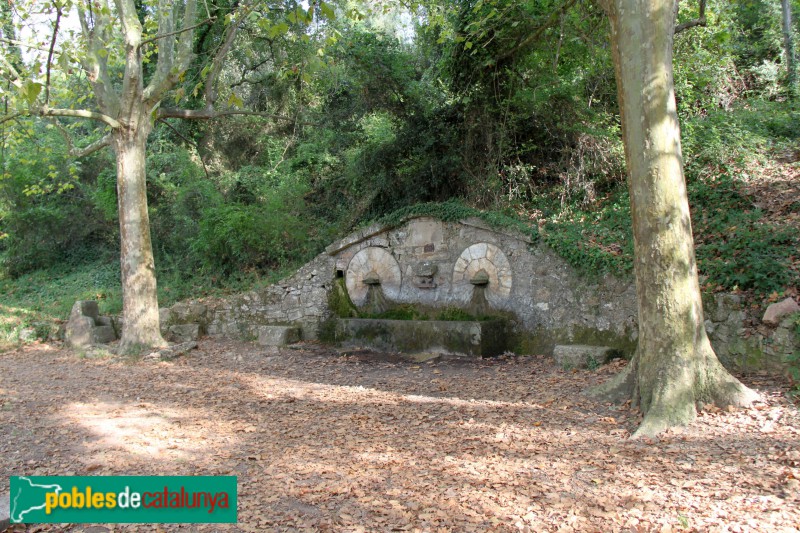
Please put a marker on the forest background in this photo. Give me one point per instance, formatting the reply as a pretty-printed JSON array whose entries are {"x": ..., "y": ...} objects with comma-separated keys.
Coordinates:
[{"x": 370, "y": 110}]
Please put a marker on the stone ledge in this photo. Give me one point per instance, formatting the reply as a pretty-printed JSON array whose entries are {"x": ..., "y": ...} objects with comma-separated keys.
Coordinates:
[
  {"x": 278, "y": 335},
  {"x": 581, "y": 355},
  {"x": 361, "y": 235}
]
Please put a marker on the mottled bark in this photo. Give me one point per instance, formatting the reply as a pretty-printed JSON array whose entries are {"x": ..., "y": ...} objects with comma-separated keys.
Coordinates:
[
  {"x": 674, "y": 367},
  {"x": 788, "y": 47},
  {"x": 140, "y": 303}
]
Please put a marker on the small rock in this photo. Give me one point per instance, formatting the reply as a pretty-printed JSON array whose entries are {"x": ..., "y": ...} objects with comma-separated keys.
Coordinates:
[
  {"x": 27, "y": 335},
  {"x": 171, "y": 352},
  {"x": 777, "y": 311}
]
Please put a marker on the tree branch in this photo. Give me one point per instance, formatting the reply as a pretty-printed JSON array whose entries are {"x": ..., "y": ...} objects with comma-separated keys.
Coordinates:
[
  {"x": 8, "y": 118},
  {"x": 699, "y": 21},
  {"x": 20, "y": 43},
  {"x": 177, "y": 32},
  {"x": 81, "y": 152},
  {"x": 92, "y": 148},
  {"x": 167, "y": 71},
  {"x": 16, "y": 77},
  {"x": 79, "y": 113},
  {"x": 216, "y": 64},
  {"x": 552, "y": 19},
  {"x": 95, "y": 64},
  {"x": 132, "y": 33},
  {"x": 50, "y": 53}
]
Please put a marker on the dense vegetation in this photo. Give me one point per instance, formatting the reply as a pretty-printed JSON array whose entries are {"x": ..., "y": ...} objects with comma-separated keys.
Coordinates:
[{"x": 505, "y": 107}]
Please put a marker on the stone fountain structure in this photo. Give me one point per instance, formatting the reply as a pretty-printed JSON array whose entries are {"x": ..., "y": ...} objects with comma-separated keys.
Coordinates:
[{"x": 468, "y": 265}]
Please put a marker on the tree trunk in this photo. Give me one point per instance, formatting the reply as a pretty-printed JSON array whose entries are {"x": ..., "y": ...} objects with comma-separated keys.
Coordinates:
[
  {"x": 141, "y": 328},
  {"x": 674, "y": 367},
  {"x": 788, "y": 45}
]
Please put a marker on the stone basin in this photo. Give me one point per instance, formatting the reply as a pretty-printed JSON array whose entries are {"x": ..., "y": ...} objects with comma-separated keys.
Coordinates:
[{"x": 467, "y": 339}]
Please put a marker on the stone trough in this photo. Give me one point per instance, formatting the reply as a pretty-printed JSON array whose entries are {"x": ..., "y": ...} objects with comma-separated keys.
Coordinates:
[{"x": 462, "y": 338}]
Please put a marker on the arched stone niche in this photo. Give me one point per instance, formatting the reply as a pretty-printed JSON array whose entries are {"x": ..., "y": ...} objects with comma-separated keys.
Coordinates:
[
  {"x": 372, "y": 261},
  {"x": 491, "y": 259}
]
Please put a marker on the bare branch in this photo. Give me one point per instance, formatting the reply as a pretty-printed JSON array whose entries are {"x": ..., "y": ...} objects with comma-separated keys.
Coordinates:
[
  {"x": 699, "y": 21},
  {"x": 79, "y": 113},
  {"x": 50, "y": 53},
  {"x": 177, "y": 32}
]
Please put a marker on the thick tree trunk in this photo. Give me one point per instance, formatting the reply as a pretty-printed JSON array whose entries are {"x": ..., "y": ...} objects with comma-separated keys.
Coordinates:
[
  {"x": 674, "y": 367},
  {"x": 141, "y": 328},
  {"x": 788, "y": 45}
]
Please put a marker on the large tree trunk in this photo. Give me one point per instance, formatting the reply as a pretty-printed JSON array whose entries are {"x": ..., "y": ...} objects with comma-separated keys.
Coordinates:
[
  {"x": 674, "y": 367},
  {"x": 141, "y": 328},
  {"x": 788, "y": 45}
]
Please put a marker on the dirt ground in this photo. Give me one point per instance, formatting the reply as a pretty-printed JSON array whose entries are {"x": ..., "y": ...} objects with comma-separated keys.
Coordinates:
[{"x": 325, "y": 441}]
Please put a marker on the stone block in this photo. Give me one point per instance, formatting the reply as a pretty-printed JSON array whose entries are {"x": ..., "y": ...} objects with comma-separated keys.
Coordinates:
[
  {"x": 85, "y": 308},
  {"x": 104, "y": 321},
  {"x": 103, "y": 334},
  {"x": 165, "y": 317},
  {"x": 581, "y": 355},
  {"x": 183, "y": 332},
  {"x": 5, "y": 511},
  {"x": 278, "y": 335},
  {"x": 78, "y": 333},
  {"x": 777, "y": 311}
]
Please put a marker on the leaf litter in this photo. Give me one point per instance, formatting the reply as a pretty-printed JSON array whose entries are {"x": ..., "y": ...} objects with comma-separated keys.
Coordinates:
[{"x": 325, "y": 440}]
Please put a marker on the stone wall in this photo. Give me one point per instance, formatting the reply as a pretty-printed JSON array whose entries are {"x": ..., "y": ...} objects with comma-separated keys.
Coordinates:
[
  {"x": 431, "y": 263},
  {"x": 301, "y": 299}
]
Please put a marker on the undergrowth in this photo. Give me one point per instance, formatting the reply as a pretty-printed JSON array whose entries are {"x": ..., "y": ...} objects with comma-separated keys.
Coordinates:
[{"x": 41, "y": 300}]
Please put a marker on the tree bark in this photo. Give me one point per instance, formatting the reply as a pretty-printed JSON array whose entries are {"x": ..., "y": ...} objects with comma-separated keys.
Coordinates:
[
  {"x": 674, "y": 367},
  {"x": 788, "y": 45},
  {"x": 141, "y": 325}
]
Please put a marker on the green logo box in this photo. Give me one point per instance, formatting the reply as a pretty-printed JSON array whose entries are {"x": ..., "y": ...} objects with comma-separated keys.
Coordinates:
[{"x": 123, "y": 499}]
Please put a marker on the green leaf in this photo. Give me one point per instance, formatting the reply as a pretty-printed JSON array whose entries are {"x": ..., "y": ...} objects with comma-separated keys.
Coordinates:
[
  {"x": 30, "y": 91},
  {"x": 235, "y": 101},
  {"x": 327, "y": 11},
  {"x": 279, "y": 29},
  {"x": 63, "y": 62}
]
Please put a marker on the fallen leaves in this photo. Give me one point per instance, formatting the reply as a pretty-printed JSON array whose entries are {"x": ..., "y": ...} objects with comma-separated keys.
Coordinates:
[{"x": 322, "y": 441}]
